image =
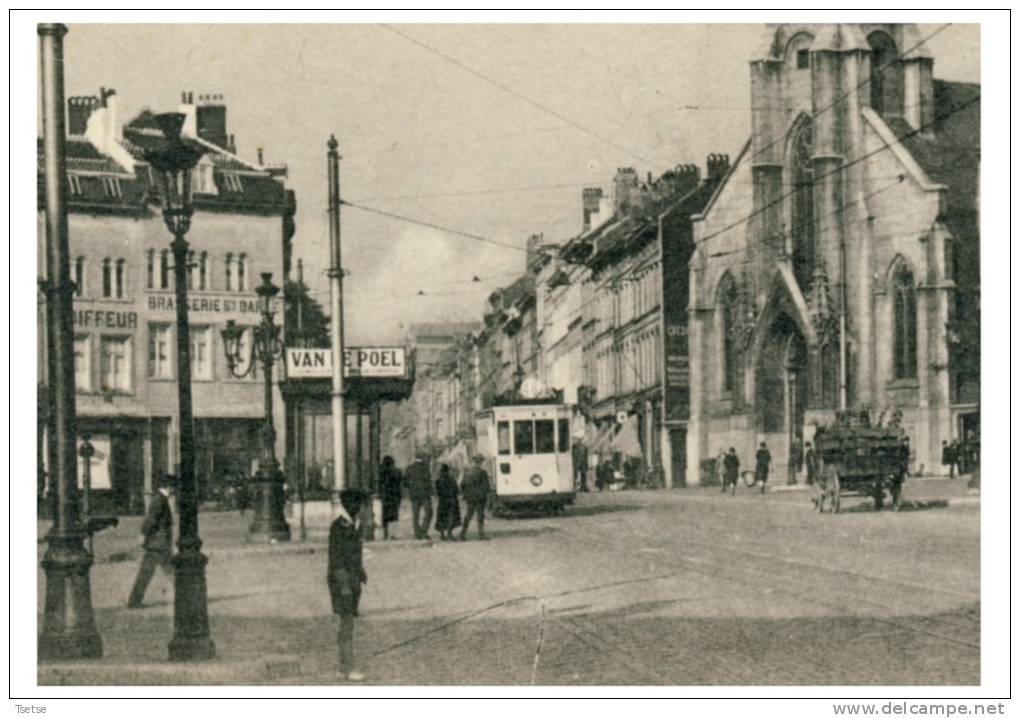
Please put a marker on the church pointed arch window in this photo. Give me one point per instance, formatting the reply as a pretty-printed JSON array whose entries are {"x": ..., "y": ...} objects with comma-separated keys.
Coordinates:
[
  {"x": 803, "y": 209},
  {"x": 904, "y": 325},
  {"x": 886, "y": 76},
  {"x": 729, "y": 317}
]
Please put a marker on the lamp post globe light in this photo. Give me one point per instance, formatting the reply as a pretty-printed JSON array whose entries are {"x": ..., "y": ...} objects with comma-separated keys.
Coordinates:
[
  {"x": 269, "y": 523},
  {"x": 172, "y": 160}
]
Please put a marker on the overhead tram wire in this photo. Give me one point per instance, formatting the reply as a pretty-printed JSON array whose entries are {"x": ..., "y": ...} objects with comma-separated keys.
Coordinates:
[
  {"x": 862, "y": 83},
  {"x": 846, "y": 165},
  {"x": 524, "y": 98}
]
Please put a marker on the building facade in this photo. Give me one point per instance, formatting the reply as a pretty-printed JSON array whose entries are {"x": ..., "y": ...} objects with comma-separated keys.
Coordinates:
[
  {"x": 837, "y": 263},
  {"x": 124, "y": 318}
]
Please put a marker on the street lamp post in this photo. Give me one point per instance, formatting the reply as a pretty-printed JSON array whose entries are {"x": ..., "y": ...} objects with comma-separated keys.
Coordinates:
[
  {"x": 269, "y": 524},
  {"x": 173, "y": 162}
]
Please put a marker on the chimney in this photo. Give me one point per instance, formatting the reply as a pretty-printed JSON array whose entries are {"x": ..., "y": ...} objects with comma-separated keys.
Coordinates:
[
  {"x": 259, "y": 151},
  {"x": 718, "y": 166},
  {"x": 685, "y": 178},
  {"x": 300, "y": 272},
  {"x": 231, "y": 147},
  {"x": 79, "y": 109},
  {"x": 590, "y": 197},
  {"x": 625, "y": 186},
  {"x": 533, "y": 253},
  {"x": 211, "y": 120}
]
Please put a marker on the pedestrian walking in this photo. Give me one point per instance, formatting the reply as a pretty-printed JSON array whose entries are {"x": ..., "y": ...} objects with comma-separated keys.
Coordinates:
[
  {"x": 762, "y": 459},
  {"x": 447, "y": 503},
  {"x": 156, "y": 540},
  {"x": 475, "y": 489},
  {"x": 796, "y": 460},
  {"x": 580, "y": 456},
  {"x": 955, "y": 454},
  {"x": 389, "y": 490},
  {"x": 811, "y": 463},
  {"x": 420, "y": 491},
  {"x": 345, "y": 576},
  {"x": 720, "y": 469},
  {"x": 731, "y": 467}
]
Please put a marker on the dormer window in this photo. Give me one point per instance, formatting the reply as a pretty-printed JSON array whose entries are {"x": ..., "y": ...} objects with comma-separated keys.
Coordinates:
[
  {"x": 202, "y": 178},
  {"x": 73, "y": 184}
]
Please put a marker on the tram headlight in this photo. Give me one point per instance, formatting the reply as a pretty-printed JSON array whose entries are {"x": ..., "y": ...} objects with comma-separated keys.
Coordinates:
[{"x": 536, "y": 480}]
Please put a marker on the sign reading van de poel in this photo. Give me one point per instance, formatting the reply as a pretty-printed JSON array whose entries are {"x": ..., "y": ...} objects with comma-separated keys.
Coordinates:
[{"x": 378, "y": 362}]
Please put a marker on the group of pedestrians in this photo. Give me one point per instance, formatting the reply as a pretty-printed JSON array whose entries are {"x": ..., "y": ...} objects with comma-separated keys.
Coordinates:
[{"x": 416, "y": 483}]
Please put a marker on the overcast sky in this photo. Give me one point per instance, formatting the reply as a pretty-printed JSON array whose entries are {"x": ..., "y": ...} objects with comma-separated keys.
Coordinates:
[{"x": 423, "y": 137}]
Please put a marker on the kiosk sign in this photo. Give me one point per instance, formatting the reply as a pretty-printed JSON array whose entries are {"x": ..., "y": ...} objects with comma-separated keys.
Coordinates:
[{"x": 373, "y": 362}]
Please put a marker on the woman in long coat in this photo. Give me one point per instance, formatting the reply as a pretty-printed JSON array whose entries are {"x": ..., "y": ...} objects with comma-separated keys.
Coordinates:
[
  {"x": 389, "y": 490},
  {"x": 448, "y": 510}
]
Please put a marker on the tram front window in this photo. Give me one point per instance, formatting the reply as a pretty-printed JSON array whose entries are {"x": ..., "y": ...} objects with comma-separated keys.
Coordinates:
[
  {"x": 524, "y": 437},
  {"x": 545, "y": 436}
]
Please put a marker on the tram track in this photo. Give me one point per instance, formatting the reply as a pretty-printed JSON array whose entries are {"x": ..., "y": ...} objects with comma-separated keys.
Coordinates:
[{"x": 742, "y": 576}]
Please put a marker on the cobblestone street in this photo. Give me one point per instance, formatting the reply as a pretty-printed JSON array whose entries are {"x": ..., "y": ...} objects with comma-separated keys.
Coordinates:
[{"x": 682, "y": 587}]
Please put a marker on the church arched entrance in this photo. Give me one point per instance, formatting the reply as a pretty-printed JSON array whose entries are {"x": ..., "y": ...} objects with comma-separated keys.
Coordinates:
[{"x": 781, "y": 385}]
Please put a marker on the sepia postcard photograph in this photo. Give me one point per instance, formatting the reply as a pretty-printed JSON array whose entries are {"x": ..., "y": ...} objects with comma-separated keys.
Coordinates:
[{"x": 434, "y": 354}]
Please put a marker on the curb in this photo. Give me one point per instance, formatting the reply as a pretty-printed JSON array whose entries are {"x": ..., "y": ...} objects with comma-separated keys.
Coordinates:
[
  {"x": 279, "y": 549},
  {"x": 214, "y": 672}
]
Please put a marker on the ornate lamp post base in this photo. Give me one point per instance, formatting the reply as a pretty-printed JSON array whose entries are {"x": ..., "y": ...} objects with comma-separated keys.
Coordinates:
[
  {"x": 191, "y": 641},
  {"x": 269, "y": 524},
  {"x": 69, "y": 631}
]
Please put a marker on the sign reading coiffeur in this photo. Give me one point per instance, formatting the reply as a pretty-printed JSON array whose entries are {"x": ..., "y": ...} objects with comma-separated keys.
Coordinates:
[{"x": 377, "y": 362}]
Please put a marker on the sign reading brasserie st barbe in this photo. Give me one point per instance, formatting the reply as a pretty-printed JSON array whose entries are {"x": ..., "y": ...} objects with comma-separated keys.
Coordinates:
[{"x": 374, "y": 362}]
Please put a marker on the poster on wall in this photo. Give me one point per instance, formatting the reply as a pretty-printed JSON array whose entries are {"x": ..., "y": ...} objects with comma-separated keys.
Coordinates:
[{"x": 100, "y": 463}]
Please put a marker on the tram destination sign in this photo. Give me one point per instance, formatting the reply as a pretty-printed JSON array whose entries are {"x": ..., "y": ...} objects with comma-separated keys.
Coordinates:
[{"x": 374, "y": 362}]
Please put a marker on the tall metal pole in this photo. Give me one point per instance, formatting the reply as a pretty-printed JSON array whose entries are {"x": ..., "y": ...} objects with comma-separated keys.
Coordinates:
[
  {"x": 191, "y": 640},
  {"x": 336, "y": 329},
  {"x": 69, "y": 627}
]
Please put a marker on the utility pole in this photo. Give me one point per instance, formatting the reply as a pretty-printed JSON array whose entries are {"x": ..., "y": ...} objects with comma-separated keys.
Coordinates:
[
  {"x": 69, "y": 627},
  {"x": 336, "y": 279}
]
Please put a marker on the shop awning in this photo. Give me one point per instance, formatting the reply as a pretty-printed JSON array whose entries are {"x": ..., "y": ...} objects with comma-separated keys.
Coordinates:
[{"x": 626, "y": 439}]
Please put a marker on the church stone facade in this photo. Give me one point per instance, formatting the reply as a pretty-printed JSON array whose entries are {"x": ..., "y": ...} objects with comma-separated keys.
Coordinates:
[{"x": 850, "y": 219}]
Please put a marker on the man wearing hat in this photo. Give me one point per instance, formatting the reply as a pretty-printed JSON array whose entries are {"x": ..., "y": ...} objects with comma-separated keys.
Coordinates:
[
  {"x": 156, "y": 539},
  {"x": 475, "y": 490},
  {"x": 420, "y": 491},
  {"x": 345, "y": 576}
]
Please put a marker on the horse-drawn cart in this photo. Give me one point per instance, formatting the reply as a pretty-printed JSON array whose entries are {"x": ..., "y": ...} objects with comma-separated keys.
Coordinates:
[{"x": 856, "y": 458}]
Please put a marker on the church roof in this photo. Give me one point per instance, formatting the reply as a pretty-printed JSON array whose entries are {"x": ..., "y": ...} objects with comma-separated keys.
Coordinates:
[{"x": 950, "y": 155}]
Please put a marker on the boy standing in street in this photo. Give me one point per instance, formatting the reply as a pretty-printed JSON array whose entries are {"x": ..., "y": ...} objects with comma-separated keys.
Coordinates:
[{"x": 345, "y": 575}]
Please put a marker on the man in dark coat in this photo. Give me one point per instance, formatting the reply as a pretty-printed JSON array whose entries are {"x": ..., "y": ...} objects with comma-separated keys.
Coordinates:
[
  {"x": 345, "y": 575},
  {"x": 811, "y": 463},
  {"x": 447, "y": 503},
  {"x": 762, "y": 459},
  {"x": 580, "y": 457},
  {"x": 420, "y": 491},
  {"x": 731, "y": 470},
  {"x": 475, "y": 489},
  {"x": 954, "y": 459},
  {"x": 156, "y": 540},
  {"x": 389, "y": 490}
]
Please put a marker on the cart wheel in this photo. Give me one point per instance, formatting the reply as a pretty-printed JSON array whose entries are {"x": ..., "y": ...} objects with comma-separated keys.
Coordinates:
[{"x": 832, "y": 486}]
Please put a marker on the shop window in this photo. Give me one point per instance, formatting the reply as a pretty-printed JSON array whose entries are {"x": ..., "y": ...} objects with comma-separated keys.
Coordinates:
[
  {"x": 83, "y": 363},
  {"x": 160, "y": 352},
  {"x": 904, "y": 326},
  {"x": 201, "y": 353},
  {"x": 115, "y": 364}
]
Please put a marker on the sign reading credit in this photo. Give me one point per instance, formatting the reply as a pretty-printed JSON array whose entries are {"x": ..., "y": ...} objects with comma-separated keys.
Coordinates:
[{"x": 374, "y": 362}]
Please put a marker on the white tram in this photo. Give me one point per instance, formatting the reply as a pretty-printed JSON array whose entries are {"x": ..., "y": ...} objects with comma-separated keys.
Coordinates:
[{"x": 527, "y": 451}]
